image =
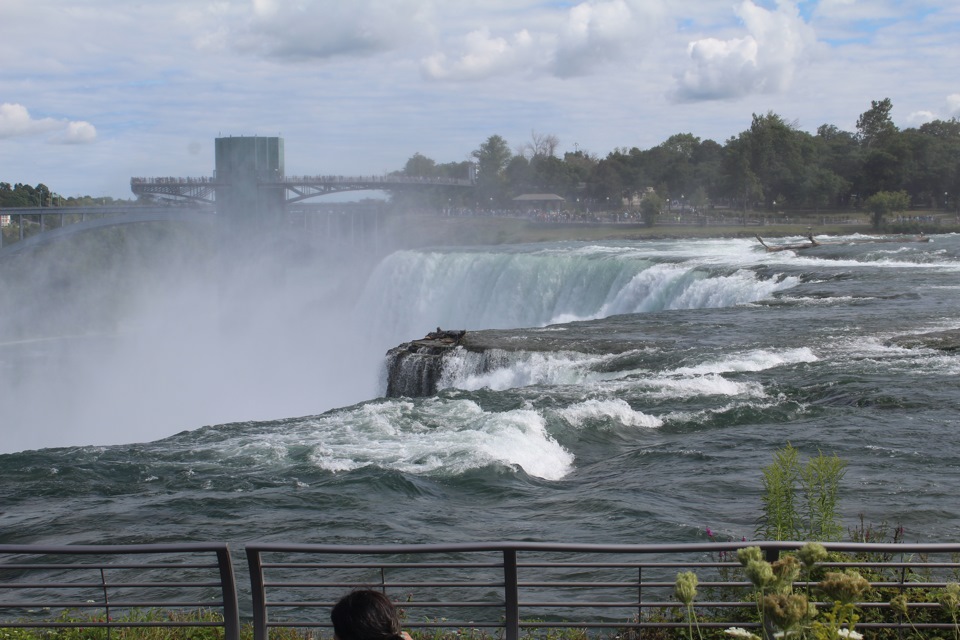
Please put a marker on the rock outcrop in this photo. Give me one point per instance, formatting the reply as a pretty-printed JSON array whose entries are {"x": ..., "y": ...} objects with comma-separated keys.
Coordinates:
[{"x": 413, "y": 368}]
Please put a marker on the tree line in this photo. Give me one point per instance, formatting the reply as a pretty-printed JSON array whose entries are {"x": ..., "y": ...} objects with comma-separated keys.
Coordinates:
[
  {"x": 771, "y": 166},
  {"x": 24, "y": 195}
]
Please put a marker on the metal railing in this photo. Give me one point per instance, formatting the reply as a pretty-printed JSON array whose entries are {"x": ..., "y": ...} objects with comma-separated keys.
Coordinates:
[
  {"x": 504, "y": 588},
  {"x": 512, "y": 587},
  {"x": 43, "y": 587}
]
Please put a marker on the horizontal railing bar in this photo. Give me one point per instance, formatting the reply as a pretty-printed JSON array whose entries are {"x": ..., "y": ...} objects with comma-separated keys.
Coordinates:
[
  {"x": 467, "y": 585},
  {"x": 418, "y": 625},
  {"x": 204, "y": 604},
  {"x": 122, "y": 623},
  {"x": 397, "y": 549},
  {"x": 492, "y": 604},
  {"x": 388, "y": 565},
  {"x": 111, "y": 585},
  {"x": 110, "y": 549}
]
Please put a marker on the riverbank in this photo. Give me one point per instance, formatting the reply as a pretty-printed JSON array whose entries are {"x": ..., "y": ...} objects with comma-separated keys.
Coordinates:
[{"x": 427, "y": 230}]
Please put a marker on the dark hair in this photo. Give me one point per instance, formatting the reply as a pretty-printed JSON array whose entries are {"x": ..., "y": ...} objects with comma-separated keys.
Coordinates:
[{"x": 365, "y": 615}]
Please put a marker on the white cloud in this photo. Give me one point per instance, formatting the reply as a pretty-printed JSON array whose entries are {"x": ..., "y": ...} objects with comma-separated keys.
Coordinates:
[
  {"x": 316, "y": 29},
  {"x": 763, "y": 61},
  {"x": 15, "y": 121},
  {"x": 566, "y": 45},
  {"x": 79, "y": 133},
  {"x": 483, "y": 56},
  {"x": 953, "y": 105},
  {"x": 920, "y": 117}
]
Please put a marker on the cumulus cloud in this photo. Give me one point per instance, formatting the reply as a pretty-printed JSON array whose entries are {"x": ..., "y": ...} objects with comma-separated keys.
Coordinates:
[
  {"x": 587, "y": 35},
  {"x": 15, "y": 120},
  {"x": 763, "y": 61},
  {"x": 317, "y": 29},
  {"x": 79, "y": 132},
  {"x": 483, "y": 56},
  {"x": 953, "y": 105}
]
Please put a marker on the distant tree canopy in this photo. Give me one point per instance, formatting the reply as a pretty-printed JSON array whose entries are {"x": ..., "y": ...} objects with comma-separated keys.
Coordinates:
[
  {"x": 23, "y": 195},
  {"x": 771, "y": 166}
]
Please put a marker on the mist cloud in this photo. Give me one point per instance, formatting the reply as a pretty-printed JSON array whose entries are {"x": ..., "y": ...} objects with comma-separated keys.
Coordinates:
[{"x": 763, "y": 61}]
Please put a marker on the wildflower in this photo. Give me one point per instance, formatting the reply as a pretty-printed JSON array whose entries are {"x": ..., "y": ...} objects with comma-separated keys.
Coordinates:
[
  {"x": 743, "y": 634},
  {"x": 786, "y": 570},
  {"x": 786, "y": 611},
  {"x": 949, "y": 598},
  {"x": 760, "y": 573},
  {"x": 850, "y": 634},
  {"x": 844, "y": 587},
  {"x": 686, "y": 587},
  {"x": 746, "y": 555},
  {"x": 812, "y": 553},
  {"x": 899, "y": 604},
  {"x": 709, "y": 533}
]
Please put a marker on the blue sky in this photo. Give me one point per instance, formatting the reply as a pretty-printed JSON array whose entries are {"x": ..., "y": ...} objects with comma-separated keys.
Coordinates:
[{"x": 94, "y": 92}]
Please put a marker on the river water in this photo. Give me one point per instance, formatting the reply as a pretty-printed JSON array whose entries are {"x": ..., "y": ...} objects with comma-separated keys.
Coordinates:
[{"x": 667, "y": 374}]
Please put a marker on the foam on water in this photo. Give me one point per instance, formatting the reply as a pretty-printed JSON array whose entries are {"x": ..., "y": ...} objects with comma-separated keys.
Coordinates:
[
  {"x": 699, "y": 386},
  {"x": 435, "y": 436},
  {"x": 614, "y": 409},
  {"x": 499, "y": 370},
  {"x": 758, "y": 360}
]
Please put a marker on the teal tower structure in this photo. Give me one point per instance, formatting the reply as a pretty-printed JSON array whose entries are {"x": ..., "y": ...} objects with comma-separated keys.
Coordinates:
[{"x": 250, "y": 195}]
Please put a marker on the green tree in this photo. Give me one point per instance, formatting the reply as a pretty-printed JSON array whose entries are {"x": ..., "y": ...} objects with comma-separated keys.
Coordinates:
[
  {"x": 420, "y": 166},
  {"x": 875, "y": 126},
  {"x": 650, "y": 208},
  {"x": 883, "y": 203},
  {"x": 492, "y": 158}
]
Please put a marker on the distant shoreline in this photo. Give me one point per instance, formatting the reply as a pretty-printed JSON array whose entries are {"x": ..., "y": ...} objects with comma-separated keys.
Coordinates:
[{"x": 424, "y": 230}]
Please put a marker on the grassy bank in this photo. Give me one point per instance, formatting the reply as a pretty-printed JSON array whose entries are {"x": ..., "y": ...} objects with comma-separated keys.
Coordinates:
[{"x": 424, "y": 230}]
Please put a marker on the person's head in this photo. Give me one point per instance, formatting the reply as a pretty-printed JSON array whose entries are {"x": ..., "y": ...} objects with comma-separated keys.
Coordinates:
[{"x": 365, "y": 615}]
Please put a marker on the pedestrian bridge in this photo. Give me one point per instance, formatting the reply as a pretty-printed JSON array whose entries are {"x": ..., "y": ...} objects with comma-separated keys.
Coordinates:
[
  {"x": 186, "y": 200},
  {"x": 296, "y": 188},
  {"x": 37, "y": 226}
]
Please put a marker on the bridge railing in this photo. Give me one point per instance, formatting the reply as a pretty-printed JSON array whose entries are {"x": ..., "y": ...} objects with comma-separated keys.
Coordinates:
[
  {"x": 109, "y": 587},
  {"x": 384, "y": 179}
]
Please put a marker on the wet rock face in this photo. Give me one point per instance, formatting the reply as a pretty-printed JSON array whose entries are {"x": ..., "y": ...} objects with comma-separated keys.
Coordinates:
[
  {"x": 942, "y": 340},
  {"x": 413, "y": 368}
]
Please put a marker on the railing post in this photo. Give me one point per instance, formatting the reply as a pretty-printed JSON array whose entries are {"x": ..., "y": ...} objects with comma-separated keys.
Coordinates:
[
  {"x": 255, "y": 564},
  {"x": 639, "y": 599},
  {"x": 228, "y": 589},
  {"x": 511, "y": 595}
]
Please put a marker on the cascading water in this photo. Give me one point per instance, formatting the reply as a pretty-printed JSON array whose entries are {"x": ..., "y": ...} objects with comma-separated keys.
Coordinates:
[{"x": 411, "y": 291}]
